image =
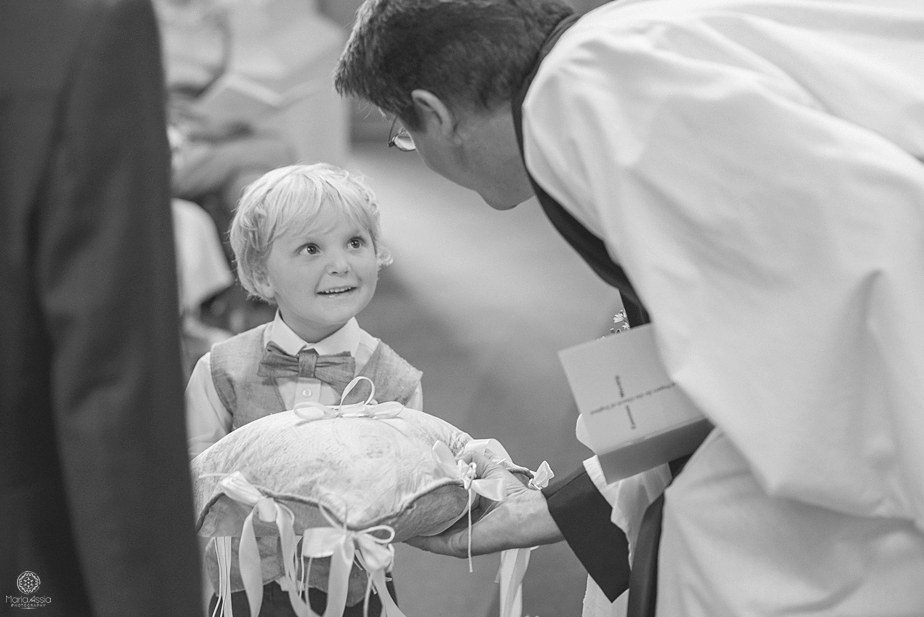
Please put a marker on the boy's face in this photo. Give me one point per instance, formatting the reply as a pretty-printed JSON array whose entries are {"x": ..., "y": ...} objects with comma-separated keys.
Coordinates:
[{"x": 321, "y": 277}]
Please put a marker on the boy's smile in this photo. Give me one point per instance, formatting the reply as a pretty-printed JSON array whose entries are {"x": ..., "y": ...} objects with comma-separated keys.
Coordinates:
[
  {"x": 321, "y": 277},
  {"x": 336, "y": 291}
]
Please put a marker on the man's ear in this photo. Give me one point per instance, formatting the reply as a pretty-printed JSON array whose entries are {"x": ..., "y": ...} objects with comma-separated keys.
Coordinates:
[{"x": 433, "y": 112}]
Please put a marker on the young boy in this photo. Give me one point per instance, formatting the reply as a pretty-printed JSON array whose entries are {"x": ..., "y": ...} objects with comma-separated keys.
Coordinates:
[{"x": 307, "y": 239}]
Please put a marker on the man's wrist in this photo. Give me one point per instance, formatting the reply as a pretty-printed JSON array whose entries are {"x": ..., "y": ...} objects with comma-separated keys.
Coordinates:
[{"x": 532, "y": 522}]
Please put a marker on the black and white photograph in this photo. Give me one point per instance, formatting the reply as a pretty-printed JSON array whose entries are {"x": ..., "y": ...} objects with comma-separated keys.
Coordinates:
[{"x": 462, "y": 308}]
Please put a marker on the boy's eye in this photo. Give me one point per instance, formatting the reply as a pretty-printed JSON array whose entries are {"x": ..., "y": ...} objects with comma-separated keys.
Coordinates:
[
  {"x": 309, "y": 249},
  {"x": 357, "y": 242}
]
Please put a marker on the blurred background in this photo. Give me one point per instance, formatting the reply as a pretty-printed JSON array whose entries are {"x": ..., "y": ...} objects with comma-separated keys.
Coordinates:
[{"x": 481, "y": 301}]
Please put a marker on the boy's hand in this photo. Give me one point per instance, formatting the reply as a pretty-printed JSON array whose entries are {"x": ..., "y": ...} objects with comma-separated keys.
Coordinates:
[{"x": 522, "y": 520}]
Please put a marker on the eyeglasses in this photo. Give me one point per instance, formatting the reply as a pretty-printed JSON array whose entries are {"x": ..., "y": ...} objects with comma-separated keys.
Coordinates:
[{"x": 400, "y": 138}]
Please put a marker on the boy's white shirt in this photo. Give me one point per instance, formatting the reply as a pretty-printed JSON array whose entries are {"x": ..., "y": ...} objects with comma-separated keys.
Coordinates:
[{"x": 207, "y": 420}]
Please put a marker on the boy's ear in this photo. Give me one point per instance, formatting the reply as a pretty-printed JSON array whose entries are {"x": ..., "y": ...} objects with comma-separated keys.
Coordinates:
[
  {"x": 434, "y": 113},
  {"x": 261, "y": 282}
]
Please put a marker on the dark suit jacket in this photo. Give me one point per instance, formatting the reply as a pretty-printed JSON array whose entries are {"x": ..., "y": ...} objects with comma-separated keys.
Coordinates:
[{"x": 95, "y": 496}]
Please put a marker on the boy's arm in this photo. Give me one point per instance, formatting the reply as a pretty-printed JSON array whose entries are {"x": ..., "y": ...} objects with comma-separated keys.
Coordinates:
[{"x": 207, "y": 420}]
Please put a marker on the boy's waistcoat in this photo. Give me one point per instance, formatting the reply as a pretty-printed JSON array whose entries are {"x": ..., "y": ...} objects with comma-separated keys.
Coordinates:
[{"x": 248, "y": 397}]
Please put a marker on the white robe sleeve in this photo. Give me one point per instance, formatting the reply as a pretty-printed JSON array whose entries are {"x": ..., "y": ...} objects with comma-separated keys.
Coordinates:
[{"x": 779, "y": 249}]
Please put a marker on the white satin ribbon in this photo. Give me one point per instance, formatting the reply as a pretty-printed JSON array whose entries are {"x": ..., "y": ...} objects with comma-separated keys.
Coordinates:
[
  {"x": 312, "y": 410},
  {"x": 514, "y": 562},
  {"x": 342, "y": 545},
  {"x": 238, "y": 488},
  {"x": 223, "y": 557},
  {"x": 510, "y": 577},
  {"x": 491, "y": 488},
  {"x": 541, "y": 476}
]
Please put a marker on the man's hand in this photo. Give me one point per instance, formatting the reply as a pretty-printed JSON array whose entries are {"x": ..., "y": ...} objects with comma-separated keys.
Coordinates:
[{"x": 520, "y": 521}]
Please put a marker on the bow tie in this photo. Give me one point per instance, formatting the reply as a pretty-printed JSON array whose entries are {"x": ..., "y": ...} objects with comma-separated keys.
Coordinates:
[{"x": 336, "y": 370}]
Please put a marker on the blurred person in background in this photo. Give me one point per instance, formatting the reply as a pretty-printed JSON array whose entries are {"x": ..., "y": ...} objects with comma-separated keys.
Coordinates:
[
  {"x": 211, "y": 159},
  {"x": 96, "y": 514}
]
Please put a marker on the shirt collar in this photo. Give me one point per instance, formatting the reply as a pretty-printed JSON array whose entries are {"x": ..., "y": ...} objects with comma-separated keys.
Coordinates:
[{"x": 345, "y": 339}]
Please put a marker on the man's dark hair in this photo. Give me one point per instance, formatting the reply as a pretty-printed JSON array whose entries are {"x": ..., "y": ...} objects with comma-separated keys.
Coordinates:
[{"x": 472, "y": 54}]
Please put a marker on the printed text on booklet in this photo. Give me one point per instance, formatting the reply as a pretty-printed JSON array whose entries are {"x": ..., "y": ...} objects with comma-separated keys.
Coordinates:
[{"x": 635, "y": 416}]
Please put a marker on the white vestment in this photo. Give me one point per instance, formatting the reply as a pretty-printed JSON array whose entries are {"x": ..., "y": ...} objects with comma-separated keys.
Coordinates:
[{"x": 756, "y": 168}]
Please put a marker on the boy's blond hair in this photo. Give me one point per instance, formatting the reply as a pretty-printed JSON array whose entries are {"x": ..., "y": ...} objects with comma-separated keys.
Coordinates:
[{"x": 293, "y": 197}]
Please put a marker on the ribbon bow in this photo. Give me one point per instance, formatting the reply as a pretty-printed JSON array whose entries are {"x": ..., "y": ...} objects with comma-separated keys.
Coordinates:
[
  {"x": 336, "y": 370},
  {"x": 492, "y": 488},
  {"x": 312, "y": 410},
  {"x": 342, "y": 545},
  {"x": 541, "y": 476},
  {"x": 514, "y": 562},
  {"x": 238, "y": 488}
]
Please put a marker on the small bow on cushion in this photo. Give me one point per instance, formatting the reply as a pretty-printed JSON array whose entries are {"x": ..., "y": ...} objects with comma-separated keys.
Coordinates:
[
  {"x": 238, "y": 488},
  {"x": 375, "y": 554},
  {"x": 336, "y": 370},
  {"x": 311, "y": 411},
  {"x": 492, "y": 488}
]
